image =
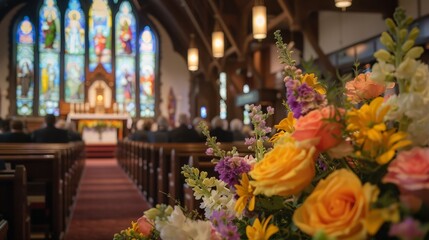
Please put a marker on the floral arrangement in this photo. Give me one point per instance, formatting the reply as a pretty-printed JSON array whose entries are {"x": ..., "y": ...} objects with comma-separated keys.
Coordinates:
[{"x": 353, "y": 168}]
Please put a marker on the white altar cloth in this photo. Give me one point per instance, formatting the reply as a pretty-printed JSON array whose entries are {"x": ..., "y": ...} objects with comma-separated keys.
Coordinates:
[{"x": 104, "y": 116}]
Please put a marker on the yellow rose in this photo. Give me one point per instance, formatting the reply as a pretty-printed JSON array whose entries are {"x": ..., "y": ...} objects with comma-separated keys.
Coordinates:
[
  {"x": 337, "y": 206},
  {"x": 286, "y": 170}
]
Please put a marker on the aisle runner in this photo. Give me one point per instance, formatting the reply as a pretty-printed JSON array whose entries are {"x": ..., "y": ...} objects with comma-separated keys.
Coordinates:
[{"x": 107, "y": 202}]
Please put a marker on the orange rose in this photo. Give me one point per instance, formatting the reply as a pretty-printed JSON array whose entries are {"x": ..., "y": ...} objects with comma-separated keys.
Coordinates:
[
  {"x": 337, "y": 206},
  {"x": 322, "y": 124},
  {"x": 363, "y": 88},
  {"x": 286, "y": 170},
  {"x": 144, "y": 226}
]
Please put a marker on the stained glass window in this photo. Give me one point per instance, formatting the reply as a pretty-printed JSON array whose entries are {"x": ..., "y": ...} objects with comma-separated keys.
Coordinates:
[
  {"x": 55, "y": 56},
  {"x": 125, "y": 50},
  {"x": 74, "y": 33},
  {"x": 25, "y": 67},
  {"x": 147, "y": 73},
  {"x": 100, "y": 35},
  {"x": 49, "y": 57}
]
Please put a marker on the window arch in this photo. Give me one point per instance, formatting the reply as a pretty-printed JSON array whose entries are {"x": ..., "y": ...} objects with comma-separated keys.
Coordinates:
[{"x": 54, "y": 56}]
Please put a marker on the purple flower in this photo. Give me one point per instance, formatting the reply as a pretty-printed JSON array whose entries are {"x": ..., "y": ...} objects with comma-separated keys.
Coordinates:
[
  {"x": 270, "y": 110},
  {"x": 321, "y": 164},
  {"x": 249, "y": 141},
  {"x": 224, "y": 225},
  {"x": 407, "y": 230},
  {"x": 230, "y": 168},
  {"x": 209, "y": 151}
]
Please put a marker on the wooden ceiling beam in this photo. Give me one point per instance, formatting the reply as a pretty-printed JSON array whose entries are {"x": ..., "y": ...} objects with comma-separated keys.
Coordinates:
[
  {"x": 225, "y": 28},
  {"x": 197, "y": 26}
]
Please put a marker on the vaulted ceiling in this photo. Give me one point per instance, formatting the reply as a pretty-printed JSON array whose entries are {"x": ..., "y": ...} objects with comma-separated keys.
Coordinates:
[{"x": 181, "y": 18}]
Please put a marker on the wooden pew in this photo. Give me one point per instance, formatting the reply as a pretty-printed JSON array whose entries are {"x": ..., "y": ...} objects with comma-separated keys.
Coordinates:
[
  {"x": 3, "y": 229},
  {"x": 62, "y": 165},
  {"x": 13, "y": 204}
]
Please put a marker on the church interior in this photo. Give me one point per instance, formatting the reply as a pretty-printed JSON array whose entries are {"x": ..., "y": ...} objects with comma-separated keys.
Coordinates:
[{"x": 111, "y": 74}]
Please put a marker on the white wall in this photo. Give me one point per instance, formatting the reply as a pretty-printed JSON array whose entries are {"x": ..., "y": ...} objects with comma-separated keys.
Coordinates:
[
  {"x": 5, "y": 47},
  {"x": 340, "y": 29},
  {"x": 174, "y": 74}
]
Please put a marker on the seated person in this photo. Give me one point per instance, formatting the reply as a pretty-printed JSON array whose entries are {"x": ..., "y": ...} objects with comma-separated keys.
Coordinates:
[
  {"x": 143, "y": 129},
  {"x": 218, "y": 131},
  {"x": 196, "y": 125},
  {"x": 50, "y": 134},
  {"x": 69, "y": 127},
  {"x": 184, "y": 133},
  {"x": 16, "y": 135},
  {"x": 236, "y": 126},
  {"x": 161, "y": 134}
]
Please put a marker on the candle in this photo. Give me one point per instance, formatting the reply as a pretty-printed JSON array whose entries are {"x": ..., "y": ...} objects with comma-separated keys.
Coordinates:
[
  {"x": 87, "y": 107},
  {"x": 72, "y": 107},
  {"x": 115, "y": 108}
]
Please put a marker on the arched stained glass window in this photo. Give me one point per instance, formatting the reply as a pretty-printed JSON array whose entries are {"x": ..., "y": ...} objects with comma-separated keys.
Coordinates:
[
  {"x": 74, "y": 33},
  {"x": 25, "y": 38},
  {"x": 147, "y": 72},
  {"x": 100, "y": 35},
  {"x": 125, "y": 51},
  {"x": 49, "y": 57}
]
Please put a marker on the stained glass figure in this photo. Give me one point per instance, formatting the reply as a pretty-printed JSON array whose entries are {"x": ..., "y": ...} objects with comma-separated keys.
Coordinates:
[
  {"x": 49, "y": 83},
  {"x": 74, "y": 28},
  {"x": 74, "y": 78},
  {"x": 100, "y": 35},
  {"x": 49, "y": 57},
  {"x": 25, "y": 67},
  {"x": 147, "y": 73},
  {"x": 125, "y": 83},
  {"x": 74, "y": 74},
  {"x": 125, "y": 50},
  {"x": 125, "y": 30},
  {"x": 49, "y": 30}
]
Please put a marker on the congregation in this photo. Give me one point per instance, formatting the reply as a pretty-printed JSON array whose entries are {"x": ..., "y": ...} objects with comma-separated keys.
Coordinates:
[{"x": 187, "y": 131}]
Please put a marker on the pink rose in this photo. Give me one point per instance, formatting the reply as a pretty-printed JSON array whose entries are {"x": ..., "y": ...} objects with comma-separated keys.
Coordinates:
[
  {"x": 410, "y": 172},
  {"x": 145, "y": 226},
  {"x": 363, "y": 88},
  {"x": 321, "y": 124}
]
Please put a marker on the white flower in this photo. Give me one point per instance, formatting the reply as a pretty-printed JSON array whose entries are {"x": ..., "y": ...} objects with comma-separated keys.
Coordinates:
[
  {"x": 420, "y": 81},
  {"x": 178, "y": 227},
  {"x": 380, "y": 71},
  {"x": 419, "y": 131},
  {"x": 406, "y": 69}
]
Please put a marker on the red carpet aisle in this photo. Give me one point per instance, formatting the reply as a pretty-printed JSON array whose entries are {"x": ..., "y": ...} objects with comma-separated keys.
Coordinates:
[{"x": 107, "y": 202}]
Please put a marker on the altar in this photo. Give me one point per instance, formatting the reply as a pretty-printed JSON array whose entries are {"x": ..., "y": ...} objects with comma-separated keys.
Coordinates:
[{"x": 106, "y": 128}]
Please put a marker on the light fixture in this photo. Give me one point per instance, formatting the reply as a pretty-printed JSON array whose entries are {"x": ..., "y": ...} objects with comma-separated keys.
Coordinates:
[
  {"x": 259, "y": 20},
  {"x": 343, "y": 4},
  {"x": 218, "y": 42},
  {"x": 192, "y": 55}
]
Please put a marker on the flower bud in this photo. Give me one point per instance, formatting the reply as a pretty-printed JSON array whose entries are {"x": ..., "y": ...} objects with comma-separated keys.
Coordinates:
[
  {"x": 407, "y": 45},
  {"x": 386, "y": 39},
  {"x": 390, "y": 25},
  {"x": 152, "y": 213},
  {"x": 414, "y": 33},
  {"x": 382, "y": 55},
  {"x": 414, "y": 52},
  {"x": 403, "y": 34}
]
